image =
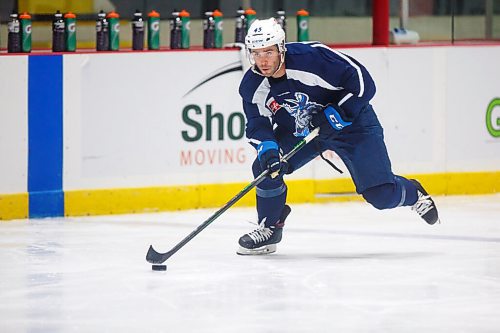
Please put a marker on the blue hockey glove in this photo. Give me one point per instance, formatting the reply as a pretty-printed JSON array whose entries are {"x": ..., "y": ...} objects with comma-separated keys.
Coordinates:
[
  {"x": 330, "y": 121},
  {"x": 269, "y": 158}
]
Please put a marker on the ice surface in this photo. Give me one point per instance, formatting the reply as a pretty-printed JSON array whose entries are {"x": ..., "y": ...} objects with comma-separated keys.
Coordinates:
[{"x": 341, "y": 267}]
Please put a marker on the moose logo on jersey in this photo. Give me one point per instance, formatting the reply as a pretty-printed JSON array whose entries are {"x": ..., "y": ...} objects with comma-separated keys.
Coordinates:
[{"x": 301, "y": 109}]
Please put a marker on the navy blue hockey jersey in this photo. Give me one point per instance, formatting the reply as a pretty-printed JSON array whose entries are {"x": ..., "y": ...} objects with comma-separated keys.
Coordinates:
[{"x": 315, "y": 76}]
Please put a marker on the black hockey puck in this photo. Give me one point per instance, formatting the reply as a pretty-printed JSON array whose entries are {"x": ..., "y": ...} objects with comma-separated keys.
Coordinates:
[{"x": 159, "y": 267}]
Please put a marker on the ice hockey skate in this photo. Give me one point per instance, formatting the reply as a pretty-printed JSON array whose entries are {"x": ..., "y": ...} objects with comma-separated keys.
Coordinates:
[
  {"x": 263, "y": 240},
  {"x": 425, "y": 206}
]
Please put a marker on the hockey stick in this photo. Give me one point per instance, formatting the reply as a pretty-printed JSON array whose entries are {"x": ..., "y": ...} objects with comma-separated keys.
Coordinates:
[{"x": 155, "y": 257}]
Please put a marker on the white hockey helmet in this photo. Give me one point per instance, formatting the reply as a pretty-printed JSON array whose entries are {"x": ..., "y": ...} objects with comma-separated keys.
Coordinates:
[{"x": 264, "y": 33}]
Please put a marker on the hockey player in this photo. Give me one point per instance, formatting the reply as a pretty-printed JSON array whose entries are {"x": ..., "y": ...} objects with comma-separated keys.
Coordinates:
[{"x": 294, "y": 87}]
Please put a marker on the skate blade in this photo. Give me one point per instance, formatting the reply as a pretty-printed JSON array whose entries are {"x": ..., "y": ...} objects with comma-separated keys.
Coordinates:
[{"x": 266, "y": 249}]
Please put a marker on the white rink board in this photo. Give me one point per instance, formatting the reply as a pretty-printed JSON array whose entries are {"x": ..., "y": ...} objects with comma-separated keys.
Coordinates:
[
  {"x": 124, "y": 124},
  {"x": 13, "y": 124},
  {"x": 471, "y": 88},
  {"x": 129, "y": 133},
  {"x": 135, "y": 139}
]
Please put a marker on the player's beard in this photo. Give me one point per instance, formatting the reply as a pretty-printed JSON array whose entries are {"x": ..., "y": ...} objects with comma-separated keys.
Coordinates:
[{"x": 271, "y": 70}]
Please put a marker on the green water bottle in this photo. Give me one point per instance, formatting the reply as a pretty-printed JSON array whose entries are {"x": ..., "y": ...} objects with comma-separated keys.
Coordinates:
[
  {"x": 153, "y": 30},
  {"x": 302, "y": 25},
  {"x": 218, "y": 28},
  {"x": 25, "y": 20},
  {"x": 70, "y": 31},
  {"x": 185, "y": 29},
  {"x": 250, "y": 15},
  {"x": 114, "y": 31}
]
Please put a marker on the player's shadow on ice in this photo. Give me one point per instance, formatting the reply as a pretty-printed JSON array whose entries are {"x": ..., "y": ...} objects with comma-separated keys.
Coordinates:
[
  {"x": 463, "y": 238},
  {"x": 349, "y": 256}
]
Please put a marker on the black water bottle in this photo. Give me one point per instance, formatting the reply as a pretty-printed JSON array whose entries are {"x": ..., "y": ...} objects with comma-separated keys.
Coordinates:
[
  {"x": 241, "y": 27},
  {"x": 281, "y": 19},
  {"x": 102, "y": 32},
  {"x": 58, "y": 30},
  {"x": 137, "y": 31},
  {"x": 209, "y": 31},
  {"x": 14, "y": 37},
  {"x": 175, "y": 30}
]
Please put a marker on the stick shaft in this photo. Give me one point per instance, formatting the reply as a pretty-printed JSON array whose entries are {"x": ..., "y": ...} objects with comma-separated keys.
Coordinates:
[{"x": 158, "y": 258}]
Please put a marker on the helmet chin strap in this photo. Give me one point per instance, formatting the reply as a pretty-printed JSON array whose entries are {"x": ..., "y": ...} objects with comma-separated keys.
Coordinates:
[{"x": 282, "y": 61}]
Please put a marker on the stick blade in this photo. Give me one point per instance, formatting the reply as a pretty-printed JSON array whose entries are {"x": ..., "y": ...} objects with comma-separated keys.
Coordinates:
[{"x": 155, "y": 257}]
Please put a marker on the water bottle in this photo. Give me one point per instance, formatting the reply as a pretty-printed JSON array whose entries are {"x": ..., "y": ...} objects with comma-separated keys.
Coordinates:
[
  {"x": 302, "y": 25},
  {"x": 250, "y": 15},
  {"x": 70, "y": 31},
  {"x": 58, "y": 28},
  {"x": 114, "y": 30},
  {"x": 102, "y": 32},
  {"x": 208, "y": 31},
  {"x": 218, "y": 38},
  {"x": 153, "y": 30},
  {"x": 25, "y": 21},
  {"x": 185, "y": 29},
  {"x": 281, "y": 19},
  {"x": 14, "y": 37},
  {"x": 240, "y": 26},
  {"x": 137, "y": 31},
  {"x": 175, "y": 30}
]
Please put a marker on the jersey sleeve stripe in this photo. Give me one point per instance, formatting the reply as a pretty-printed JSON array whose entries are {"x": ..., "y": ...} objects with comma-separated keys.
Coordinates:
[
  {"x": 346, "y": 97},
  {"x": 309, "y": 79},
  {"x": 254, "y": 141},
  {"x": 353, "y": 64}
]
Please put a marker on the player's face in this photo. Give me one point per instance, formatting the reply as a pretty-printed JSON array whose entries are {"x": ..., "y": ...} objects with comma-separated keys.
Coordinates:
[{"x": 266, "y": 59}]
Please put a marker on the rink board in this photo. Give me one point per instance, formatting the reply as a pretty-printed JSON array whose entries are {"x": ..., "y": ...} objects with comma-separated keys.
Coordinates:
[{"x": 91, "y": 133}]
